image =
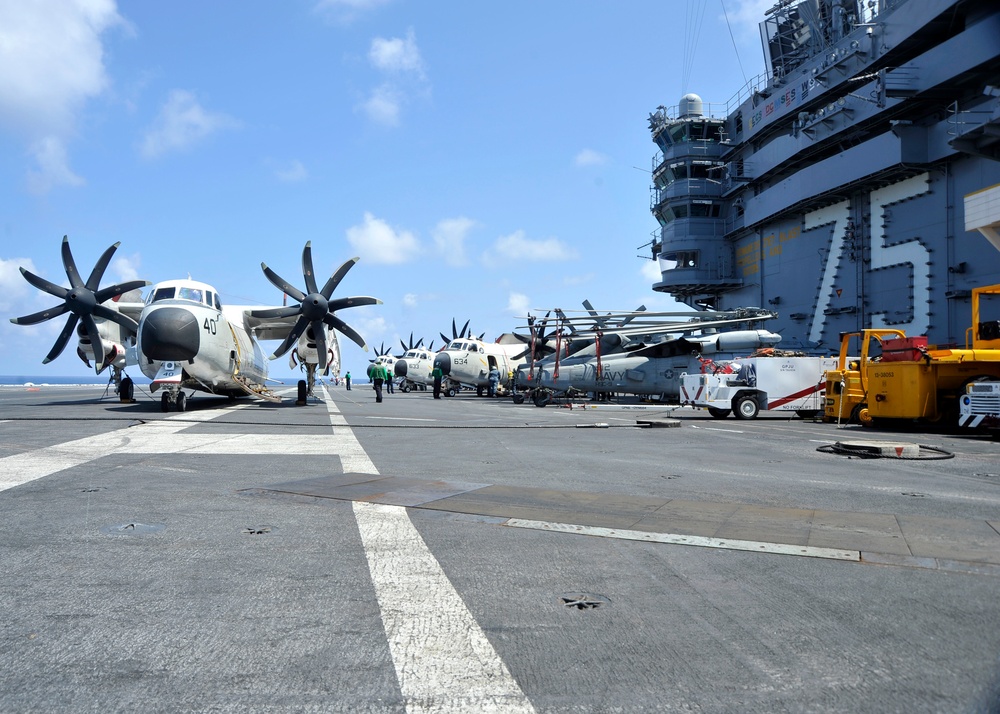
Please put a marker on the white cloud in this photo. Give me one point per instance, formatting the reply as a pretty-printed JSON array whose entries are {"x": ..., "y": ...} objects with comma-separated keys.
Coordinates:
[
  {"x": 410, "y": 300},
  {"x": 13, "y": 286},
  {"x": 399, "y": 59},
  {"x": 383, "y": 105},
  {"x": 589, "y": 157},
  {"x": 376, "y": 241},
  {"x": 51, "y": 61},
  {"x": 397, "y": 55},
  {"x": 651, "y": 271},
  {"x": 346, "y": 10},
  {"x": 449, "y": 237},
  {"x": 517, "y": 247},
  {"x": 52, "y": 166},
  {"x": 126, "y": 268},
  {"x": 182, "y": 122},
  {"x": 578, "y": 279},
  {"x": 292, "y": 173},
  {"x": 518, "y": 303}
]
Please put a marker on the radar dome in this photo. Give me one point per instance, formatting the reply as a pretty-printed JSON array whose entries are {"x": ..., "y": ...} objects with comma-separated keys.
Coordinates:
[{"x": 690, "y": 105}]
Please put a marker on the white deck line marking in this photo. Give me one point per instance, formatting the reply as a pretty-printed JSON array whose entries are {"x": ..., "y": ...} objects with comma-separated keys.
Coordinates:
[
  {"x": 23, "y": 468},
  {"x": 443, "y": 660},
  {"x": 701, "y": 541}
]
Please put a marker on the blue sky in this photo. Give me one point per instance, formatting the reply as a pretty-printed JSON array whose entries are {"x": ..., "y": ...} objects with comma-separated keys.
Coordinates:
[{"x": 482, "y": 159}]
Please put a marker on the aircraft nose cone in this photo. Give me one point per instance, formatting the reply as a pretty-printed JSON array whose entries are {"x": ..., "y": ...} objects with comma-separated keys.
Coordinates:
[
  {"x": 400, "y": 368},
  {"x": 169, "y": 334},
  {"x": 443, "y": 362}
]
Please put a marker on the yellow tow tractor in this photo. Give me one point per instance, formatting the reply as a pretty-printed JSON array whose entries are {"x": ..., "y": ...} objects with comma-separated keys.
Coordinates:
[{"x": 910, "y": 380}]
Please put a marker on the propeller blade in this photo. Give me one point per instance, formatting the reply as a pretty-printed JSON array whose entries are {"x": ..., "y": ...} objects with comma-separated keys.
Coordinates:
[
  {"x": 282, "y": 285},
  {"x": 319, "y": 332},
  {"x": 307, "y": 268},
  {"x": 464, "y": 328},
  {"x": 94, "y": 281},
  {"x": 292, "y": 337},
  {"x": 345, "y": 302},
  {"x": 96, "y": 345},
  {"x": 71, "y": 272},
  {"x": 44, "y": 285},
  {"x": 342, "y": 327},
  {"x": 105, "y": 294},
  {"x": 60, "y": 343},
  {"x": 335, "y": 279},
  {"x": 106, "y": 313},
  {"x": 36, "y": 317},
  {"x": 275, "y": 312}
]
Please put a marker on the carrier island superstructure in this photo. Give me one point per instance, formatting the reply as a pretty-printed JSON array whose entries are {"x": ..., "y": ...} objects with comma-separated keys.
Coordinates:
[{"x": 856, "y": 184}]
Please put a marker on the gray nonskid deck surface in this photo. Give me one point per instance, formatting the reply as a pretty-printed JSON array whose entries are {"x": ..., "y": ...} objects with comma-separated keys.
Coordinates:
[{"x": 233, "y": 559}]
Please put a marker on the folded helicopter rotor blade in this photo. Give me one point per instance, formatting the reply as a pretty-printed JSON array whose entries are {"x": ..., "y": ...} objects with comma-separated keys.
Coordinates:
[
  {"x": 282, "y": 284},
  {"x": 94, "y": 281},
  {"x": 70, "y": 265},
  {"x": 342, "y": 327},
  {"x": 36, "y": 317},
  {"x": 44, "y": 285},
  {"x": 275, "y": 312},
  {"x": 62, "y": 339},
  {"x": 307, "y": 268},
  {"x": 292, "y": 337},
  {"x": 335, "y": 279}
]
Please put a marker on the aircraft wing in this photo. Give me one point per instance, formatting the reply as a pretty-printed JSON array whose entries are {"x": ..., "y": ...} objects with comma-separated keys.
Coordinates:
[{"x": 266, "y": 328}]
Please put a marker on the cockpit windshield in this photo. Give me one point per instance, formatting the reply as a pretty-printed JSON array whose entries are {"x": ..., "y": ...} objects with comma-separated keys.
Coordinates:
[{"x": 162, "y": 294}]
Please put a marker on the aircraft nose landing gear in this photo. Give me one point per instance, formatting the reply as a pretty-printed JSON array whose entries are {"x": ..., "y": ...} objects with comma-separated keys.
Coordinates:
[{"x": 177, "y": 398}]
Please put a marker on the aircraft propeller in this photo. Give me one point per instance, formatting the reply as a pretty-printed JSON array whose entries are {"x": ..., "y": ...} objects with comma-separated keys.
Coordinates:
[
  {"x": 456, "y": 334},
  {"x": 412, "y": 345},
  {"x": 83, "y": 300},
  {"x": 316, "y": 307},
  {"x": 543, "y": 342}
]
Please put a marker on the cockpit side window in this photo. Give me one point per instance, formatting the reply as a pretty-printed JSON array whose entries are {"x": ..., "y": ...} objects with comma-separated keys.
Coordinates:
[
  {"x": 218, "y": 303},
  {"x": 163, "y": 294}
]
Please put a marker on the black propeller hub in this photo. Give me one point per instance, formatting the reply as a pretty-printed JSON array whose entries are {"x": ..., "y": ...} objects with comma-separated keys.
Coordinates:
[
  {"x": 81, "y": 301},
  {"x": 170, "y": 334},
  {"x": 443, "y": 362},
  {"x": 315, "y": 307}
]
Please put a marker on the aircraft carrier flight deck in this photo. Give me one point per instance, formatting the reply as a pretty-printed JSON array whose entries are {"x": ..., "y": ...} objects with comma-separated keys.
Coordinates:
[{"x": 470, "y": 554}]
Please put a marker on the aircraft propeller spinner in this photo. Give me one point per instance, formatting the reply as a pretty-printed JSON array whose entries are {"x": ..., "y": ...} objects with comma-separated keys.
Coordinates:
[
  {"x": 316, "y": 307},
  {"x": 83, "y": 300}
]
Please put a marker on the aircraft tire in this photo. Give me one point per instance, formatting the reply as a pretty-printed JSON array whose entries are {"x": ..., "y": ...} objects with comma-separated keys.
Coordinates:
[
  {"x": 719, "y": 413},
  {"x": 451, "y": 392},
  {"x": 181, "y": 402},
  {"x": 165, "y": 402},
  {"x": 517, "y": 398},
  {"x": 404, "y": 388},
  {"x": 542, "y": 399},
  {"x": 746, "y": 407},
  {"x": 126, "y": 391},
  {"x": 303, "y": 392}
]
